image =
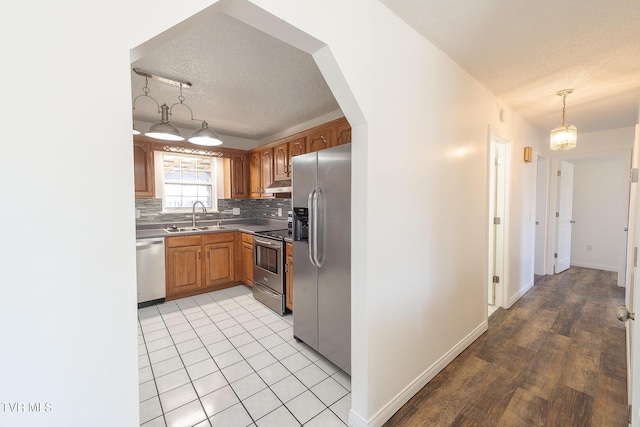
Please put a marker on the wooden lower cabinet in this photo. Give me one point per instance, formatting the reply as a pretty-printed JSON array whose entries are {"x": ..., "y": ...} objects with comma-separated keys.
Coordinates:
[
  {"x": 200, "y": 263},
  {"x": 219, "y": 250},
  {"x": 183, "y": 269},
  {"x": 289, "y": 284},
  {"x": 247, "y": 259}
]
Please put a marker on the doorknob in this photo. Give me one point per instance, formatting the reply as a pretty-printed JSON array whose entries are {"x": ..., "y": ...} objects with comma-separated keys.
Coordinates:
[{"x": 623, "y": 314}]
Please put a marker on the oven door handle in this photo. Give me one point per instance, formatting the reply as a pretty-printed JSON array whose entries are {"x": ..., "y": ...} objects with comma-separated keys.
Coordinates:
[
  {"x": 265, "y": 290},
  {"x": 265, "y": 243}
]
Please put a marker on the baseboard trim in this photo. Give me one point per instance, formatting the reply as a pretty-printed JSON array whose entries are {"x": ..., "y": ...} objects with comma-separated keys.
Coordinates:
[
  {"x": 594, "y": 266},
  {"x": 520, "y": 293},
  {"x": 356, "y": 420},
  {"x": 387, "y": 411}
]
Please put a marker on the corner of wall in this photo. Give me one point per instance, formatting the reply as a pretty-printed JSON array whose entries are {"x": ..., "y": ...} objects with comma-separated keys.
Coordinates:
[
  {"x": 520, "y": 293},
  {"x": 388, "y": 410}
]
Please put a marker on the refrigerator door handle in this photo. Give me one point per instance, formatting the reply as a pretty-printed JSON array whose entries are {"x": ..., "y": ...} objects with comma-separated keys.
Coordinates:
[
  {"x": 312, "y": 216},
  {"x": 319, "y": 219}
]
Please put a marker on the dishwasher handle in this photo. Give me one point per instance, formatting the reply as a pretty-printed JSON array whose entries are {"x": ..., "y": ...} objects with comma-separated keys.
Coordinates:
[{"x": 147, "y": 243}]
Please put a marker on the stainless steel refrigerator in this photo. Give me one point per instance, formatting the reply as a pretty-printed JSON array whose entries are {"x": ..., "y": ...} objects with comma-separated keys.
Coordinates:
[{"x": 322, "y": 252}]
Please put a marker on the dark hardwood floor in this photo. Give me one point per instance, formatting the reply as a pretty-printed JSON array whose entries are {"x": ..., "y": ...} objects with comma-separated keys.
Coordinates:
[{"x": 556, "y": 358}]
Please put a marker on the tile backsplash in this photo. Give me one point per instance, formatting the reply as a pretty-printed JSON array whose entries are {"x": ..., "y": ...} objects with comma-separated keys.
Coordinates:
[{"x": 151, "y": 210}]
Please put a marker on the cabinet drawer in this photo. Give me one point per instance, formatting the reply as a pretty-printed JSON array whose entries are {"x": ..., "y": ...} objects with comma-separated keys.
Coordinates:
[
  {"x": 178, "y": 241},
  {"x": 218, "y": 237},
  {"x": 247, "y": 238}
]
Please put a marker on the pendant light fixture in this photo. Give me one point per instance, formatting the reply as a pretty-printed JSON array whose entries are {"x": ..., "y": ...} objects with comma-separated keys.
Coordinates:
[
  {"x": 205, "y": 136},
  {"x": 145, "y": 94},
  {"x": 564, "y": 137},
  {"x": 164, "y": 129}
]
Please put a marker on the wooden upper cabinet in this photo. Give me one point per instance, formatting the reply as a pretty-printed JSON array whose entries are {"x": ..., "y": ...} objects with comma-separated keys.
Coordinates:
[
  {"x": 296, "y": 147},
  {"x": 272, "y": 162},
  {"x": 320, "y": 140},
  {"x": 240, "y": 176},
  {"x": 260, "y": 171},
  {"x": 143, "y": 169},
  {"x": 254, "y": 174},
  {"x": 343, "y": 133},
  {"x": 266, "y": 168},
  {"x": 281, "y": 161}
]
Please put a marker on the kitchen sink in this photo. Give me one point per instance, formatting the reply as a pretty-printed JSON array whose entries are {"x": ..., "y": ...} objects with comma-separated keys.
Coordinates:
[{"x": 191, "y": 229}]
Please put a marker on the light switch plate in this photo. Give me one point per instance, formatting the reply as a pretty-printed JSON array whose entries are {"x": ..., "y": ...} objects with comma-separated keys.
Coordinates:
[{"x": 236, "y": 211}]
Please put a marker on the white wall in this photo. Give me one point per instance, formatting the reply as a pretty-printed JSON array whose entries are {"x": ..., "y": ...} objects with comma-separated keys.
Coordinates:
[
  {"x": 419, "y": 132},
  {"x": 598, "y": 211},
  {"x": 522, "y": 206},
  {"x": 421, "y": 293}
]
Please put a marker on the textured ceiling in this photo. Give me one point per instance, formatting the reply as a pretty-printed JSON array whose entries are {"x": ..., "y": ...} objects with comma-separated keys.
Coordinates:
[
  {"x": 245, "y": 83},
  {"x": 251, "y": 85},
  {"x": 525, "y": 52}
]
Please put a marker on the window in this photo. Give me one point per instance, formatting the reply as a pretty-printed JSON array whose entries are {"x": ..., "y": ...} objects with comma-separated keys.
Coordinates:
[{"x": 187, "y": 179}]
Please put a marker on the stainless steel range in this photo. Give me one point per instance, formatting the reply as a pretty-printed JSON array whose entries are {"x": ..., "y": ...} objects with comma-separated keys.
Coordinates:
[{"x": 269, "y": 269}]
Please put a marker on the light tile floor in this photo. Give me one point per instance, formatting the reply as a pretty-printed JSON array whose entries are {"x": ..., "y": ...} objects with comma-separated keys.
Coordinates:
[{"x": 224, "y": 359}]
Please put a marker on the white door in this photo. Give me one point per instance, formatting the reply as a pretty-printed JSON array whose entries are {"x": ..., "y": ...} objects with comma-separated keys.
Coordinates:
[
  {"x": 498, "y": 201},
  {"x": 631, "y": 299},
  {"x": 564, "y": 216}
]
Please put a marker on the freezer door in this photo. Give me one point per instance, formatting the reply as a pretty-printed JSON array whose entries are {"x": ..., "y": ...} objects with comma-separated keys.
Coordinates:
[
  {"x": 305, "y": 292},
  {"x": 334, "y": 250},
  {"x": 305, "y": 296},
  {"x": 305, "y": 173}
]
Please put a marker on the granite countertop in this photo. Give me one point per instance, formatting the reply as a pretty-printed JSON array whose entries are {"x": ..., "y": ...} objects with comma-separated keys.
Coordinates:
[{"x": 144, "y": 231}]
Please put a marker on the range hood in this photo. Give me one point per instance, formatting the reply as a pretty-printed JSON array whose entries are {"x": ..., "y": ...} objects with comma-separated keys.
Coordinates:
[{"x": 282, "y": 186}]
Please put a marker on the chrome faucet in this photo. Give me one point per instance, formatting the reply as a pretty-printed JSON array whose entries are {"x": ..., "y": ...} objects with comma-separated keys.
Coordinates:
[{"x": 193, "y": 213}]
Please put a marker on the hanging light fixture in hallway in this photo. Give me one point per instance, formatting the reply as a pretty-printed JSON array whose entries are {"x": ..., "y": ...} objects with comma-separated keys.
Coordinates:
[{"x": 564, "y": 137}]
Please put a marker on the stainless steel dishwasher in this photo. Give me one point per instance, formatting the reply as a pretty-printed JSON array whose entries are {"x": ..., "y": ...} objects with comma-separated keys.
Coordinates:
[{"x": 150, "y": 269}]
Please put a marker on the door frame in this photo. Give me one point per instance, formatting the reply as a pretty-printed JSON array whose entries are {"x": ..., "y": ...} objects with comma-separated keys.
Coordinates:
[
  {"x": 631, "y": 294},
  {"x": 552, "y": 203},
  {"x": 502, "y": 291},
  {"x": 564, "y": 193},
  {"x": 542, "y": 192}
]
